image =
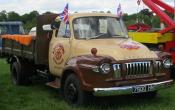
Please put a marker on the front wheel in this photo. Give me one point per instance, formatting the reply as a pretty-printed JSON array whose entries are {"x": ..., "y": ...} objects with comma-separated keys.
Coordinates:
[
  {"x": 172, "y": 72},
  {"x": 73, "y": 93}
]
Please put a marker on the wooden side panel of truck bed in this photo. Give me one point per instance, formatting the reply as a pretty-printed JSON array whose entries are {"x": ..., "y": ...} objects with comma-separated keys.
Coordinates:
[
  {"x": 11, "y": 47},
  {"x": 38, "y": 49}
]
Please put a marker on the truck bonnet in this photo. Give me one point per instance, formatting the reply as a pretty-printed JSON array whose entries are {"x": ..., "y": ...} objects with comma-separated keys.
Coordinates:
[{"x": 119, "y": 49}]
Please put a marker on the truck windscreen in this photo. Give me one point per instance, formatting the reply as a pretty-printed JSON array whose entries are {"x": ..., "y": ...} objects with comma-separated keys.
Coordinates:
[
  {"x": 98, "y": 27},
  {"x": 11, "y": 29}
]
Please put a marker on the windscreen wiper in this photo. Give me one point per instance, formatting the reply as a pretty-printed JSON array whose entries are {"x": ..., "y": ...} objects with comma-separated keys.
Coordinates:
[
  {"x": 97, "y": 36},
  {"x": 119, "y": 36}
]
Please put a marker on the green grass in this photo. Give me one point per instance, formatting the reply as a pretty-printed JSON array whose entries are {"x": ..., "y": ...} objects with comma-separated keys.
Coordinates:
[{"x": 40, "y": 97}]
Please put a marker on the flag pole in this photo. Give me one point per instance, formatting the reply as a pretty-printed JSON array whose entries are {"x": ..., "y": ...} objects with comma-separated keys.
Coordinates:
[
  {"x": 66, "y": 29},
  {"x": 67, "y": 22}
]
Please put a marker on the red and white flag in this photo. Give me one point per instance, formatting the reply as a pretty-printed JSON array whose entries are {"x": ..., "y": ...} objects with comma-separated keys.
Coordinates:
[{"x": 64, "y": 16}]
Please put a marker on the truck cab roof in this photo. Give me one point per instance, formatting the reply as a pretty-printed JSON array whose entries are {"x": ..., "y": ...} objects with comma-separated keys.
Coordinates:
[
  {"x": 11, "y": 27},
  {"x": 85, "y": 14}
]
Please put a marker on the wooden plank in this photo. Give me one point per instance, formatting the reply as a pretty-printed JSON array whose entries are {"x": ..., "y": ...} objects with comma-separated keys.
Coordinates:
[{"x": 11, "y": 47}]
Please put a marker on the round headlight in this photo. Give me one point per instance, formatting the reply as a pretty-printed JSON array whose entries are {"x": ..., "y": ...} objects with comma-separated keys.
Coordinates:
[
  {"x": 105, "y": 68},
  {"x": 167, "y": 63}
]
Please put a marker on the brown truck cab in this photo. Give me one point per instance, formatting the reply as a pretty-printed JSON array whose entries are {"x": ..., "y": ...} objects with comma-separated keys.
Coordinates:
[{"x": 91, "y": 54}]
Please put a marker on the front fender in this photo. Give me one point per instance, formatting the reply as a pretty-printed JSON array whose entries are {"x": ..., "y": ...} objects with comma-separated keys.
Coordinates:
[
  {"x": 162, "y": 55},
  {"x": 82, "y": 67}
]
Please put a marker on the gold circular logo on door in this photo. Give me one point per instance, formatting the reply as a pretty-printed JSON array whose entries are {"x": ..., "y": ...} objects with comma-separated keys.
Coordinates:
[{"x": 58, "y": 54}]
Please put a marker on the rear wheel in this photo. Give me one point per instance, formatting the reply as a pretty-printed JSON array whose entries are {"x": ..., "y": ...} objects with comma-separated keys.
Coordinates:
[
  {"x": 73, "y": 93},
  {"x": 19, "y": 74}
]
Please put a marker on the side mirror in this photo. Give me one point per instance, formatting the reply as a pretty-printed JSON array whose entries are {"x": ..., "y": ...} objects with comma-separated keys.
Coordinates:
[
  {"x": 47, "y": 27},
  {"x": 55, "y": 25}
]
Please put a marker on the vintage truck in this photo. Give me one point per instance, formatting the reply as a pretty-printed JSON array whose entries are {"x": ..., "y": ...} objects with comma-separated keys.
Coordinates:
[{"x": 92, "y": 55}]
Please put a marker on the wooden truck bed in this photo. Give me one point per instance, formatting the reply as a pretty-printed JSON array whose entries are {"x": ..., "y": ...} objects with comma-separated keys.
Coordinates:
[
  {"x": 12, "y": 47},
  {"x": 24, "y": 46}
]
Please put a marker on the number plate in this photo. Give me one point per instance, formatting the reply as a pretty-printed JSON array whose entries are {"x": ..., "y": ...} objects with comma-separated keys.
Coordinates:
[{"x": 140, "y": 89}]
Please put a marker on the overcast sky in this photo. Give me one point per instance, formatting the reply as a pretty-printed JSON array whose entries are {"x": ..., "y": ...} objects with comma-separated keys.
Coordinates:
[{"x": 25, "y": 6}]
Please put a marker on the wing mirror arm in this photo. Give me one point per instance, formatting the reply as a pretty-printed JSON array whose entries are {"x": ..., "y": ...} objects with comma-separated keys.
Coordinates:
[
  {"x": 52, "y": 26},
  {"x": 55, "y": 25}
]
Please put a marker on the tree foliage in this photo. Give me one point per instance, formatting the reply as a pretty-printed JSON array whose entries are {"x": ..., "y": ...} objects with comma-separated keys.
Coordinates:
[
  {"x": 29, "y": 19},
  {"x": 3, "y": 15},
  {"x": 144, "y": 16}
]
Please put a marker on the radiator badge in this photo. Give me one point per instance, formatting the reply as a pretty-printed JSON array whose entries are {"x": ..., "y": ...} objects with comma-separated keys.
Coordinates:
[
  {"x": 58, "y": 54},
  {"x": 130, "y": 45}
]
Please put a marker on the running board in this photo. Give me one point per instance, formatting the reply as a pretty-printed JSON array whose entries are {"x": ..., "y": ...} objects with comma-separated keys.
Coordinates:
[{"x": 54, "y": 84}]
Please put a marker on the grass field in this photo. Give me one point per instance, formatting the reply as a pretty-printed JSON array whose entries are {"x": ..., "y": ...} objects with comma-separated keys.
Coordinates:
[{"x": 37, "y": 96}]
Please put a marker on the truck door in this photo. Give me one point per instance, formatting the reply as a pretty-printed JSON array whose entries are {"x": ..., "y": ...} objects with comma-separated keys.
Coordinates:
[{"x": 59, "y": 51}]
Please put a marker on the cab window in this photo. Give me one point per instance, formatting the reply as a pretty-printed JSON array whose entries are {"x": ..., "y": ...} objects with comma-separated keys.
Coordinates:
[
  {"x": 64, "y": 30},
  {"x": 98, "y": 27}
]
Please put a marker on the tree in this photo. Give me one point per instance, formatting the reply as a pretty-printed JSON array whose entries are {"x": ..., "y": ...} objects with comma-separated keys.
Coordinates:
[
  {"x": 155, "y": 22},
  {"x": 13, "y": 16},
  {"x": 3, "y": 16},
  {"x": 33, "y": 14},
  {"x": 48, "y": 12},
  {"x": 144, "y": 16},
  {"x": 29, "y": 20},
  {"x": 146, "y": 12}
]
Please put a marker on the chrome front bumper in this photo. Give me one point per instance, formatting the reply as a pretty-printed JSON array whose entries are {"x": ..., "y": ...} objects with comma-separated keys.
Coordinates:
[{"x": 129, "y": 89}]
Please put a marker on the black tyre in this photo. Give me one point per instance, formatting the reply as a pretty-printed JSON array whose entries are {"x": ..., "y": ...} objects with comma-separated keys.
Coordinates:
[
  {"x": 172, "y": 72},
  {"x": 19, "y": 74},
  {"x": 73, "y": 93}
]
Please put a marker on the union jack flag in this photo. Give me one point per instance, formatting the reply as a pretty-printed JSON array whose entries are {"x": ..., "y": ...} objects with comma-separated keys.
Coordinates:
[
  {"x": 119, "y": 11},
  {"x": 64, "y": 16}
]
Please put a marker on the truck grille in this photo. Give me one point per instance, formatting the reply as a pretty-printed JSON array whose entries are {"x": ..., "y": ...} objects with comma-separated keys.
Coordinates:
[
  {"x": 158, "y": 66},
  {"x": 138, "y": 69}
]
